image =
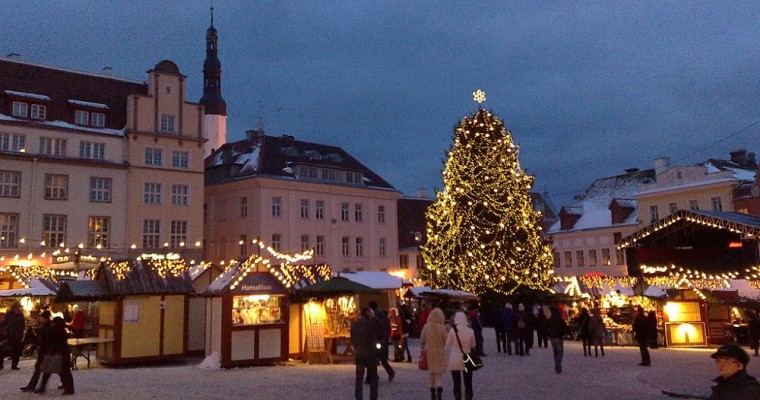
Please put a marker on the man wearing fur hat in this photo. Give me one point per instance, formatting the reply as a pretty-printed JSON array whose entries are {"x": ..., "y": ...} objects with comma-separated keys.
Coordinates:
[{"x": 733, "y": 383}]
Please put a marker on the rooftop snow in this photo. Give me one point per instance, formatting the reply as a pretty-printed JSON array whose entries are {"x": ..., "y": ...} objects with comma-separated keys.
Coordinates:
[
  {"x": 89, "y": 104},
  {"x": 374, "y": 279},
  {"x": 29, "y": 95},
  {"x": 62, "y": 124}
]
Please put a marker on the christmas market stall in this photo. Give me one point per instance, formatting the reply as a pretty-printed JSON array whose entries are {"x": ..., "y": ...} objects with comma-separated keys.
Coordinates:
[
  {"x": 202, "y": 275},
  {"x": 388, "y": 288},
  {"x": 142, "y": 308},
  {"x": 693, "y": 253}
]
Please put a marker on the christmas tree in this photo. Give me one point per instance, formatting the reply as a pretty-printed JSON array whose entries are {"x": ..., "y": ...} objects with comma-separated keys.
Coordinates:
[{"x": 482, "y": 231}]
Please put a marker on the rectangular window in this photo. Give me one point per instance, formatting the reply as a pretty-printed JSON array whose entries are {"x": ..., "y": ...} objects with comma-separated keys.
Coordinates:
[
  {"x": 53, "y": 146},
  {"x": 344, "y": 211},
  {"x": 381, "y": 214},
  {"x": 403, "y": 260},
  {"x": 181, "y": 159},
  {"x": 276, "y": 241},
  {"x": 305, "y": 245},
  {"x": 349, "y": 177},
  {"x": 20, "y": 109},
  {"x": 178, "y": 234},
  {"x": 8, "y": 230},
  {"x": 100, "y": 190},
  {"x": 53, "y": 230},
  {"x": 10, "y": 183},
  {"x": 15, "y": 142},
  {"x": 580, "y": 258},
  {"x": 345, "y": 246},
  {"x": 304, "y": 209},
  {"x": 716, "y": 204},
  {"x": 243, "y": 243},
  {"x": 38, "y": 111},
  {"x": 606, "y": 260},
  {"x": 319, "y": 209},
  {"x": 81, "y": 117},
  {"x": 180, "y": 195},
  {"x": 693, "y": 205},
  {"x": 98, "y": 120},
  {"x": 556, "y": 260},
  {"x": 568, "y": 259},
  {"x": 167, "y": 123},
  {"x": 359, "y": 247},
  {"x": 619, "y": 253},
  {"x": 420, "y": 262},
  {"x": 92, "y": 150},
  {"x": 276, "y": 206},
  {"x": 151, "y": 237},
  {"x": 153, "y": 156},
  {"x": 381, "y": 247},
  {"x": 152, "y": 193},
  {"x": 98, "y": 232},
  {"x": 56, "y": 187},
  {"x": 654, "y": 214},
  {"x": 592, "y": 258},
  {"x": 307, "y": 172},
  {"x": 358, "y": 212},
  {"x": 243, "y": 207},
  {"x": 672, "y": 208},
  {"x": 320, "y": 250}
]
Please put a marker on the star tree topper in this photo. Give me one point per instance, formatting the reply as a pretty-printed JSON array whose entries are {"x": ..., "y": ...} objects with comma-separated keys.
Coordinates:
[{"x": 479, "y": 96}]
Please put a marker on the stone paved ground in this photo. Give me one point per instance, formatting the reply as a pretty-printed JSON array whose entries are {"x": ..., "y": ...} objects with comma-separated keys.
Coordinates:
[{"x": 615, "y": 376}]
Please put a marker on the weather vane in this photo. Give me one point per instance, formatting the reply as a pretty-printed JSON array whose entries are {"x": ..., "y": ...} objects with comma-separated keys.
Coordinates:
[{"x": 479, "y": 96}]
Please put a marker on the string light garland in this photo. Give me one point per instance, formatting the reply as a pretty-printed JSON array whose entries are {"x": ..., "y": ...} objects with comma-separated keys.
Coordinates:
[{"x": 482, "y": 230}]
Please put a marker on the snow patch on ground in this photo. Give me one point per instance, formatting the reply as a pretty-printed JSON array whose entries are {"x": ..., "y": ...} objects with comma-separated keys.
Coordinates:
[{"x": 212, "y": 362}]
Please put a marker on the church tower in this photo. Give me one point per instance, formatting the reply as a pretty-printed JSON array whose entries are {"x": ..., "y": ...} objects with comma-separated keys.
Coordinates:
[{"x": 215, "y": 118}]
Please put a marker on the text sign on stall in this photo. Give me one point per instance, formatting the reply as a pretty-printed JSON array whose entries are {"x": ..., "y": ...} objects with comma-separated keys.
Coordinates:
[{"x": 260, "y": 283}]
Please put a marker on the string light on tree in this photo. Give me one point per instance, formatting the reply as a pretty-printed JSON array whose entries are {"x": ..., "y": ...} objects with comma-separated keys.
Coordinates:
[{"x": 483, "y": 233}]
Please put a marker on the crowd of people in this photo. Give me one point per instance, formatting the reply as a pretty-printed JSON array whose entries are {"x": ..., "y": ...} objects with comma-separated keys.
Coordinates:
[{"x": 45, "y": 335}]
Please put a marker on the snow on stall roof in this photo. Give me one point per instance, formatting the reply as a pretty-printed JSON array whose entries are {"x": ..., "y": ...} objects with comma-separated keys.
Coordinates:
[
  {"x": 745, "y": 290},
  {"x": 656, "y": 291},
  {"x": 89, "y": 104},
  {"x": 197, "y": 270},
  {"x": 28, "y": 95},
  {"x": 36, "y": 288},
  {"x": 374, "y": 279},
  {"x": 224, "y": 280}
]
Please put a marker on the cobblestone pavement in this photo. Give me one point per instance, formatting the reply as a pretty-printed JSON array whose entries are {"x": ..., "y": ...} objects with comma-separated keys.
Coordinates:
[{"x": 615, "y": 376}]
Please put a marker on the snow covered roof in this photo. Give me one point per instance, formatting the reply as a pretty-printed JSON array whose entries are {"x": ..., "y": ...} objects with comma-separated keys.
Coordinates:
[
  {"x": 89, "y": 104},
  {"x": 744, "y": 289},
  {"x": 66, "y": 125},
  {"x": 374, "y": 279},
  {"x": 627, "y": 203},
  {"x": 28, "y": 95},
  {"x": 36, "y": 288}
]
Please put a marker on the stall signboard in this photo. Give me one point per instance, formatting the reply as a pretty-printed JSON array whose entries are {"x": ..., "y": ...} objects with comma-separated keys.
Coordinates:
[
  {"x": 685, "y": 334},
  {"x": 75, "y": 258},
  {"x": 260, "y": 283}
]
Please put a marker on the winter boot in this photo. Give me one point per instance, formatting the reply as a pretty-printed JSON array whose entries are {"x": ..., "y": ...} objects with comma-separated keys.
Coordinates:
[
  {"x": 439, "y": 393},
  {"x": 432, "y": 394}
]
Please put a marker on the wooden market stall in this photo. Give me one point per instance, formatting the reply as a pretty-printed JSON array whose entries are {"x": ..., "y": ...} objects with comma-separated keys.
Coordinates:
[{"x": 201, "y": 275}]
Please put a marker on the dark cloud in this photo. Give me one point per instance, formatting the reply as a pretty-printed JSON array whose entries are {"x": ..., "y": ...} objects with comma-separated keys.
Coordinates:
[{"x": 587, "y": 88}]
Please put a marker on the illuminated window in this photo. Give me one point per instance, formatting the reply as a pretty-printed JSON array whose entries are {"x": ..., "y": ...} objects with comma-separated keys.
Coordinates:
[
  {"x": 98, "y": 231},
  {"x": 606, "y": 260}
]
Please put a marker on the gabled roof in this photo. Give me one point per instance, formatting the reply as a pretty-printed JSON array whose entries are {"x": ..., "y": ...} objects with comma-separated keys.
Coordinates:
[
  {"x": 263, "y": 155},
  {"x": 140, "y": 277}
]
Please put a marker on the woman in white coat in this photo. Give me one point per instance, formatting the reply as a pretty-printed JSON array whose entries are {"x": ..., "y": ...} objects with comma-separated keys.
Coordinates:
[
  {"x": 433, "y": 339},
  {"x": 456, "y": 365}
]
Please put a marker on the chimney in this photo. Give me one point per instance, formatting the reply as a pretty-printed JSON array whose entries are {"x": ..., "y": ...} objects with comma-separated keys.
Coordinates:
[
  {"x": 661, "y": 164},
  {"x": 422, "y": 193},
  {"x": 739, "y": 157},
  {"x": 13, "y": 55},
  {"x": 107, "y": 70}
]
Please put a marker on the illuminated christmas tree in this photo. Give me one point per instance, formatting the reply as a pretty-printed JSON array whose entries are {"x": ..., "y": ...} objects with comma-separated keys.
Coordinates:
[{"x": 482, "y": 231}]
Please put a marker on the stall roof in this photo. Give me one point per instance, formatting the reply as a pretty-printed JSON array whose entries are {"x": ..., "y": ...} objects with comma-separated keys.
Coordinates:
[
  {"x": 40, "y": 287},
  {"x": 375, "y": 279},
  {"x": 135, "y": 277},
  {"x": 744, "y": 288},
  {"x": 427, "y": 291},
  {"x": 85, "y": 289}
]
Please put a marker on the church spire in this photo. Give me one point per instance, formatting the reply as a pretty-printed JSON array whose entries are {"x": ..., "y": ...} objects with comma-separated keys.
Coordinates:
[{"x": 212, "y": 100}]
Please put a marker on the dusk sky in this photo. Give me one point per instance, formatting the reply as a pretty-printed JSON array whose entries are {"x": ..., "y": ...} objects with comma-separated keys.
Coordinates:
[{"x": 588, "y": 89}]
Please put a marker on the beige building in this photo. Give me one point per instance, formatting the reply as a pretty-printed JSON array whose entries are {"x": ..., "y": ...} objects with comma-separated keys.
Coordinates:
[
  {"x": 297, "y": 196},
  {"x": 72, "y": 163}
]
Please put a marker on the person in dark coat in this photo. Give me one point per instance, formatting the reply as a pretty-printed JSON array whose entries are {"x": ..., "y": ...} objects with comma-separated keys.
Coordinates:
[
  {"x": 43, "y": 337},
  {"x": 366, "y": 335},
  {"x": 652, "y": 321},
  {"x": 382, "y": 353},
  {"x": 555, "y": 330},
  {"x": 473, "y": 315},
  {"x": 641, "y": 330},
  {"x": 14, "y": 329},
  {"x": 753, "y": 324},
  {"x": 733, "y": 383},
  {"x": 59, "y": 345},
  {"x": 501, "y": 333},
  {"x": 583, "y": 333},
  {"x": 541, "y": 328},
  {"x": 510, "y": 330},
  {"x": 406, "y": 328},
  {"x": 525, "y": 322}
]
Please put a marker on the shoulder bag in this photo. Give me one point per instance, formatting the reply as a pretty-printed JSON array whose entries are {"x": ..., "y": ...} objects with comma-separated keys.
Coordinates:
[
  {"x": 52, "y": 364},
  {"x": 472, "y": 361},
  {"x": 422, "y": 363}
]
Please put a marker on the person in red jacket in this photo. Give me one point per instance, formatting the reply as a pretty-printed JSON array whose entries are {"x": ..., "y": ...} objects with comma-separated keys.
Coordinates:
[{"x": 78, "y": 322}]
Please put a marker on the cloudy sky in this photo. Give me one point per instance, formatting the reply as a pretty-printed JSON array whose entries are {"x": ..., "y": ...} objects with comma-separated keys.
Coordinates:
[{"x": 588, "y": 89}]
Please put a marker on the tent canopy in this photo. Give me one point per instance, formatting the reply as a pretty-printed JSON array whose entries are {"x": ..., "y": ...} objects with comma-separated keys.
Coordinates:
[{"x": 337, "y": 286}]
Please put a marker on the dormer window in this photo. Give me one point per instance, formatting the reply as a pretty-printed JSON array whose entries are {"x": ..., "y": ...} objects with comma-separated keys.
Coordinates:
[
  {"x": 20, "y": 109},
  {"x": 38, "y": 111},
  {"x": 81, "y": 117},
  {"x": 98, "y": 119}
]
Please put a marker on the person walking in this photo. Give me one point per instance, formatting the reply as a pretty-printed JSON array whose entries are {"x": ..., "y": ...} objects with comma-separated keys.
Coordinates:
[
  {"x": 555, "y": 331},
  {"x": 734, "y": 383},
  {"x": 641, "y": 332},
  {"x": 477, "y": 327},
  {"x": 396, "y": 326},
  {"x": 583, "y": 331},
  {"x": 524, "y": 324},
  {"x": 59, "y": 345},
  {"x": 462, "y": 334},
  {"x": 382, "y": 352},
  {"x": 501, "y": 333},
  {"x": 541, "y": 328},
  {"x": 14, "y": 329},
  {"x": 406, "y": 329},
  {"x": 433, "y": 341},
  {"x": 596, "y": 331},
  {"x": 43, "y": 337},
  {"x": 753, "y": 322},
  {"x": 510, "y": 329},
  {"x": 366, "y": 335}
]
